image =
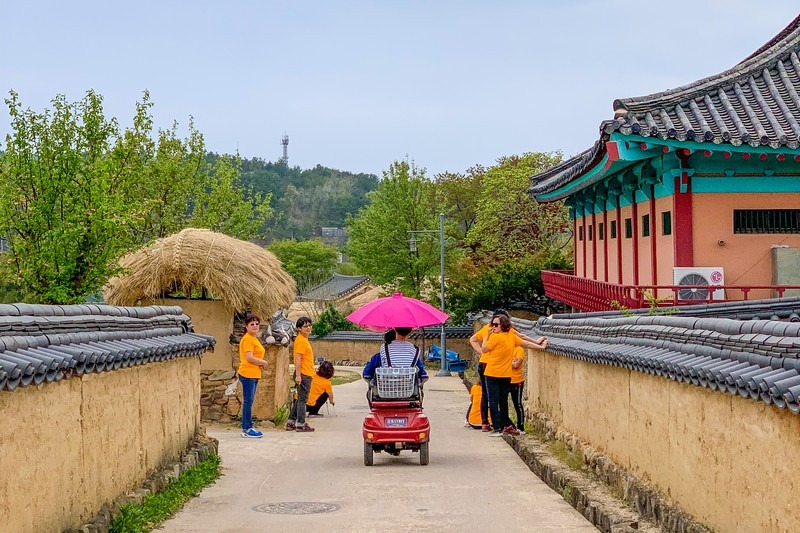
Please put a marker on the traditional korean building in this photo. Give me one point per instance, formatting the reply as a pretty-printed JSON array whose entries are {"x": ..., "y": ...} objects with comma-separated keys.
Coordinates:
[{"x": 694, "y": 186}]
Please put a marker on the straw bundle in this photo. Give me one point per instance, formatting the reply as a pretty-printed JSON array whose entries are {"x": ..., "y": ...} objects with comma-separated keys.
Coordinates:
[{"x": 241, "y": 274}]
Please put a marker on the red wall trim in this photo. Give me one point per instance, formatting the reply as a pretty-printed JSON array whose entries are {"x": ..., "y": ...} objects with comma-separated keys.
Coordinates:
[
  {"x": 594, "y": 246},
  {"x": 635, "y": 244},
  {"x": 606, "y": 233},
  {"x": 585, "y": 237},
  {"x": 619, "y": 241},
  {"x": 653, "y": 237}
]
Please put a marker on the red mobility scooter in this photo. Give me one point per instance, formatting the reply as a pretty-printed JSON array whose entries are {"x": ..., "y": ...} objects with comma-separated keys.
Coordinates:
[{"x": 396, "y": 421}]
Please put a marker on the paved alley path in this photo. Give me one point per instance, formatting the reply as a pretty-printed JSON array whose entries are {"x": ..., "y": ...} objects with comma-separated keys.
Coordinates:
[{"x": 473, "y": 482}]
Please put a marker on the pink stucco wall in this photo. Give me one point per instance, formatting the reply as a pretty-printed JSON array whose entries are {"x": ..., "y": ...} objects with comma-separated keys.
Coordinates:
[{"x": 746, "y": 258}]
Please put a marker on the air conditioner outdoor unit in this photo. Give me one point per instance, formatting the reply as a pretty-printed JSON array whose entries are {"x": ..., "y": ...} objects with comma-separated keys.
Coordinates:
[{"x": 711, "y": 276}]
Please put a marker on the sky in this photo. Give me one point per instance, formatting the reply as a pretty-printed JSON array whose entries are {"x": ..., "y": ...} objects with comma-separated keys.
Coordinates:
[{"x": 357, "y": 85}]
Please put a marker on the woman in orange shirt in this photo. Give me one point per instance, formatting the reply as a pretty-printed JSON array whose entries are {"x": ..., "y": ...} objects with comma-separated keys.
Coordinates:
[
  {"x": 498, "y": 351},
  {"x": 251, "y": 361}
]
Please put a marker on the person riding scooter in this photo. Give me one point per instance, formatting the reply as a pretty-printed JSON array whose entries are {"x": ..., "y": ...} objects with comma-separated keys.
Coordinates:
[{"x": 395, "y": 352}]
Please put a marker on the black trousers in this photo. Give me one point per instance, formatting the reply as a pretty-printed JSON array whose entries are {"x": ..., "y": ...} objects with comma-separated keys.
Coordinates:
[
  {"x": 498, "y": 390},
  {"x": 314, "y": 409},
  {"x": 516, "y": 398}
]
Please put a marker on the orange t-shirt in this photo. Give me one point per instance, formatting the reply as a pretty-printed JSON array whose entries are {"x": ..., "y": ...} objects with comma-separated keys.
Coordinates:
[
  {"x": 250, "y": 344},
  {"x": 474, "y": 416},
  {"x": 516, "y": 373},
  {"x": 303, "y": 348},
  {"x": 318, "y": 386},
  {"x": 481, "y": 334},
  {"x": 501, "y": 352}
]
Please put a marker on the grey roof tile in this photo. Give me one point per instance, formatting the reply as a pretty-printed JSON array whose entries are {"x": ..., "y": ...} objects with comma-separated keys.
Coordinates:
[{"x": 47, "y": 343}]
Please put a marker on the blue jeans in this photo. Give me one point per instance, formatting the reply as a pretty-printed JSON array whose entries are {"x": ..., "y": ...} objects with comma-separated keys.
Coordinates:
[{"x": 248, "y": 394}]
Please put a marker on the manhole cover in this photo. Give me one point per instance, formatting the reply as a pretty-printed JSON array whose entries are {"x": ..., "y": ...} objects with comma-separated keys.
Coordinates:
[{"x": 296, "y": 508}]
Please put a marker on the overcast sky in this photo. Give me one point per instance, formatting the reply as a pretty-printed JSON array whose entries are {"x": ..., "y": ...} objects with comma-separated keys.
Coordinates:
[{"x": 357, "y": 84}]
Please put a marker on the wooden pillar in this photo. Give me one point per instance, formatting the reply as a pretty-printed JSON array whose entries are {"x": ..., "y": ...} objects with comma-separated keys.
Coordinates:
[
  {"x": 585, "y": 236},
  {"x": 594, "y": 245},
  {"x": 619, "y": 240},
  {"x": 635, "y": 243}
]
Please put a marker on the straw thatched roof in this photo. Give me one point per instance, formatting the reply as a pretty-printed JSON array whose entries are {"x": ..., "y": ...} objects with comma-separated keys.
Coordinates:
[{"x": 241, "y": 274}]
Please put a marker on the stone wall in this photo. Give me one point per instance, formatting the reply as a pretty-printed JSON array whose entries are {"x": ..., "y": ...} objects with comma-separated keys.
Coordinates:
[
  {"x": 725, "y": 460},
  {"x": 70, "y": 447},
  {"x": 271, "y": 393}
]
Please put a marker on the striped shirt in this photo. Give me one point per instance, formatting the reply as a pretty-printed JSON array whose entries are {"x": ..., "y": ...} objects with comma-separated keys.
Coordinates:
[{"x": 401, "y": 354}]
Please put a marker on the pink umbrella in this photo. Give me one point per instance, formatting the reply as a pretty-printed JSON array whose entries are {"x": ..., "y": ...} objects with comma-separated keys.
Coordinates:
[{"x": 396, "y": 311}]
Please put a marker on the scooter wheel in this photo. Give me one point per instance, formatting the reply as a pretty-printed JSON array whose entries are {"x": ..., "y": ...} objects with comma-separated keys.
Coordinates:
[
  {"x": 367, "y": 454},
  {"x": 424, "y": 454}
]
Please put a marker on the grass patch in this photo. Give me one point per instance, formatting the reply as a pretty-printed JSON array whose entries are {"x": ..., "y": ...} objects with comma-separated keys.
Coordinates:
[
  {"x": 343, "y": 376},
  {"x": 144, "y": 517},
  {"x": 281, "y": 415},
  {"x": 563, "y": 454}
]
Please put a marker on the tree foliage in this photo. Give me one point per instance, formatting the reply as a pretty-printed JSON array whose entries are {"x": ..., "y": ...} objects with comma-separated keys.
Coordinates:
[
  {"x": 512, "y": 284},
  {"x": 76, "y": 192},
  {"x": 331, "y": 319},
  {"x": 309, "y": 262},
  {"x": 305, "y": 200},
  {"x": 379, "y": 238},
  {"x": 510, "y": 224}
]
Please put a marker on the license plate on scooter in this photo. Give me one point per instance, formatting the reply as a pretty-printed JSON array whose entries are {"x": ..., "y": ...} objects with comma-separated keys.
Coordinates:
[{"x": 396, "y": 422}]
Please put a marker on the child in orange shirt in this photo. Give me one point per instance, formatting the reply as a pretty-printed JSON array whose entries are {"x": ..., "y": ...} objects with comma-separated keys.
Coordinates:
[
  {"x": 321, "y": 389},
  {"x": 474, "y": 410}
]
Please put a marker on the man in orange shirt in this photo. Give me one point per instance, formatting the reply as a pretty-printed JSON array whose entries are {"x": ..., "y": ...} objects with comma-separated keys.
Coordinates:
[{"x": 303, "y": 375}]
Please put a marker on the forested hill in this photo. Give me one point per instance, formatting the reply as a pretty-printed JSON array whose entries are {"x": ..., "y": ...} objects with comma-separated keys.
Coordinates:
[{"x": 306, "y": 200}]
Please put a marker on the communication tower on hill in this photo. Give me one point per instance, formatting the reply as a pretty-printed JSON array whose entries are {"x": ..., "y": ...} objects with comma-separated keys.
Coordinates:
[{"x": 285, "y": 144}]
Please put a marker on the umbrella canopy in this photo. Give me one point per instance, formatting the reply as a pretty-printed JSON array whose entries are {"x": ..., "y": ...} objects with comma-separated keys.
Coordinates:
[{"x": 396, "y": 311}]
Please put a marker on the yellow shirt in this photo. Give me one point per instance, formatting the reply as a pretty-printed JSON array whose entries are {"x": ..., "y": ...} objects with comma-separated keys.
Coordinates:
[
  {"x": 303, "y": 348},
  {"x": 482, "y": 334},
  {"x": 318, "y": 386},
  {"x": 501, "y": 352},
  {"x": 474, "y": 416},
  {"x": 516, "y": 373},
  {"x": 250, "y": 344}
]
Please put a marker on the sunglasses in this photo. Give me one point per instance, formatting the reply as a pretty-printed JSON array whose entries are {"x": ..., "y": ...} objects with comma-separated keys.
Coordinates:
[{"x": 495, "y": 324}]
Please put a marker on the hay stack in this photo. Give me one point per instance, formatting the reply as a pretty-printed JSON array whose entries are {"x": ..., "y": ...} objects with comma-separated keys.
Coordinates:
[{"x": 241, "y": 274}]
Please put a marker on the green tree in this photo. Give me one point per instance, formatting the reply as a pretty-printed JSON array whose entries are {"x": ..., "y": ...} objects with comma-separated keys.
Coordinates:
[
  {"x": 222, "y": 205},
  {"x": 76, "y": 193},
  {"x": 331, "y": 319},
  {"x": 403, "y": 202},
  {"x": 61, "y": 206},
  {"x": 510, "y": 224},
  {"x": 457, "y": 194},
  {"x": 512, "y": 284},
  {"x": 309, "y": 262}
]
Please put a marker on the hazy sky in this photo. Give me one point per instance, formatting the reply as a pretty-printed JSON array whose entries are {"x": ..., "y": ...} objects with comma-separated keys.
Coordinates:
[{"x": 357, "y": 84}]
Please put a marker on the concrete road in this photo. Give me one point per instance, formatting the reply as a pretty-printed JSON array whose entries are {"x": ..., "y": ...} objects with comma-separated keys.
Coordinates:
[{"x": 473, "y": 483}]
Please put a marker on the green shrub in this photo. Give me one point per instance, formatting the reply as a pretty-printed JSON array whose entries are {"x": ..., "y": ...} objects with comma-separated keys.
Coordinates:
[
  {"x": 332, "y": 320},
  {"x": 146, "y": 516}
]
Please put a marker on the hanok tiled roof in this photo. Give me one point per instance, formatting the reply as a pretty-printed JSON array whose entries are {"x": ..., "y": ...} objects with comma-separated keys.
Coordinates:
[
  {"x": 335, "y": 287},
  {"x": 755, "y": 103},
  {"x": 43, "y": 343}
]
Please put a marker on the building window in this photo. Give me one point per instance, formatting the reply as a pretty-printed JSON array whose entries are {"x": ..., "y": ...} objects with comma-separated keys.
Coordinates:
[
  {"x": 613, "y": 229},
  {"x": 4, "y": 247},
  {"x": 766, "y": 220},
  {"x": 645, "y": 225},
  {"x": 628, "y": 228},
  {"x": 591, "y": 233},
  {"x": 580, "y": 233},
  {"x": 601, "y": 231},
  {"x": 666, "y": 223}
]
